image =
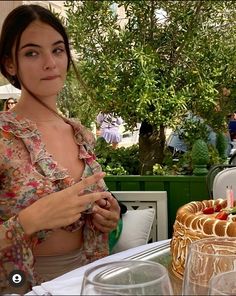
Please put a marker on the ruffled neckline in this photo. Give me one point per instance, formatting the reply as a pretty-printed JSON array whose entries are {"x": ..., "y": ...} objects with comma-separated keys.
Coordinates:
[{"x": 28, "y": 132}]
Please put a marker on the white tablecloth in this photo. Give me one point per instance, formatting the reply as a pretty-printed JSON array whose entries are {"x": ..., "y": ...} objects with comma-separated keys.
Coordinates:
[{"x": 70, "y": 283}]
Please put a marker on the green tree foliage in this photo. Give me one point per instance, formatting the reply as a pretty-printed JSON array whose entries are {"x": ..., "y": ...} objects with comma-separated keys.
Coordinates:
[
  {"x": 120, "y": 161},
  {"x": 152, "y": 62}
]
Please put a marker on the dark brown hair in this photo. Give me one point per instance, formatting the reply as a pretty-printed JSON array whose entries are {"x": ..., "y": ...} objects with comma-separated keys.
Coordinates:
[
  {"x": 13, "y": 27},
  {"x": 6, "y": 103}
]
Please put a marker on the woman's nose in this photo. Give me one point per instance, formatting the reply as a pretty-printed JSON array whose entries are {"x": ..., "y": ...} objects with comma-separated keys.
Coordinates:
[{"x": 49, "y": 62}]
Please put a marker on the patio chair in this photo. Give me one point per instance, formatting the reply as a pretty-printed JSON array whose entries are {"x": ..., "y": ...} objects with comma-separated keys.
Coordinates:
[
  {"x": 212, "y": 174},
  {"x": 232, "y": 159},
  {"x": 226, "y": 177}
]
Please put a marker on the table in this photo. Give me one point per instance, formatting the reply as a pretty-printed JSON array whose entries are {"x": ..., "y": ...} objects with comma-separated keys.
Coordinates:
[{"x": 70, "y": 283}]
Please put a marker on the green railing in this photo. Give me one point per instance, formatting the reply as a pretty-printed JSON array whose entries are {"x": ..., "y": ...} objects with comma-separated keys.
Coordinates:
[{"x": 180, "y": 189}]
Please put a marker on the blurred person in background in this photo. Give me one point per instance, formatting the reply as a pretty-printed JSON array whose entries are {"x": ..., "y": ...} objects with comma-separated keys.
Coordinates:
[
  {"x": 9, "y": 103},
  {"x": 109, "y": 125}
]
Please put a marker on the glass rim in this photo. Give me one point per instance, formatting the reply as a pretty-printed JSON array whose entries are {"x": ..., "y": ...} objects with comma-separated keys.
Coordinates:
[
  {"x": 192, "y": 246},
  {"x": 216, "y": 278},
  {"x": 223, "y": 273},
  {"x": 122, "y": 286}
]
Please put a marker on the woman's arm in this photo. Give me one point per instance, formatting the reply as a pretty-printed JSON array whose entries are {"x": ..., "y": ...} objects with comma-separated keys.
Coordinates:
[
  {"x": 61, "y": 208},
  {"x": 52, "y": 211}
]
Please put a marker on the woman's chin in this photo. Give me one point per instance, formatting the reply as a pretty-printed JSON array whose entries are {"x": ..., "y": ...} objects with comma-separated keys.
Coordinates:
[{"x": 50, "y": 92}]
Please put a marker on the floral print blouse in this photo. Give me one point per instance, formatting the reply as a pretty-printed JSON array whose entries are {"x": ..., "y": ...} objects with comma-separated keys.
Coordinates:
[{"x": 27, "y": 173}]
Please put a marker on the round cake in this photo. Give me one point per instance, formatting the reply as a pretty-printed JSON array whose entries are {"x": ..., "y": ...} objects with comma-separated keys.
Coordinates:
[{"x": 196, "y": 220}]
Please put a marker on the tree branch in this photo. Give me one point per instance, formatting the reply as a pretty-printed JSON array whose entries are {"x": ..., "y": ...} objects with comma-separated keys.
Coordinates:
[{"x": 180, "y": 48}]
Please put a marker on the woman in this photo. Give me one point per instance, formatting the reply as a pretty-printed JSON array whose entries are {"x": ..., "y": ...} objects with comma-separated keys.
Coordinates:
[
  {"x": 48, "y": 172},
  {"x": 8, "y": 104},
  {"x": 109, "y": 126}
]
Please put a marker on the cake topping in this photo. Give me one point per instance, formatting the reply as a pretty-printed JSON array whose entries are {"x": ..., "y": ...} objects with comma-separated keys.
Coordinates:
[
  {"x": 225, "y": 211},
  {"x": 209, "y": 210},
  {"x": 223, "y": 215},
  {"x": 218, "y": 207}
]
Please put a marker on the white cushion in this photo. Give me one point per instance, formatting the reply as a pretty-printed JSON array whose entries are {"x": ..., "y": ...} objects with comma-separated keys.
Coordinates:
[{"x": 137, "y": 226}]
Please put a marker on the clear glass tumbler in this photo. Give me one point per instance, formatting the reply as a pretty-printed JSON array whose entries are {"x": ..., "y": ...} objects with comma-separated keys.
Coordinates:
[
  {"x": 207, "y": 258},
  {"x": 127, "y": 277},
  {"x": 223, "y": 284}
]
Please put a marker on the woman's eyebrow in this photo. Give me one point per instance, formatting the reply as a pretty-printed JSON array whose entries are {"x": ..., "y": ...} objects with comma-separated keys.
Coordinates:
[
  {"x": 29, "y": 45},
  {"x": 36, "y": 45}
]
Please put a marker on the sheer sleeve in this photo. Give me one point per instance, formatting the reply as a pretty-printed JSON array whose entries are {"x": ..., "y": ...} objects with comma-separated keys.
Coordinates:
[
  {"x": 15, "y": 246},
  {"x": 15, "y": 251}
]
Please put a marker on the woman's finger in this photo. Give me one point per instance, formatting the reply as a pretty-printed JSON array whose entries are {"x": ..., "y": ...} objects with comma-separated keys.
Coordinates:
[
  {"x": 103, "y": 215},
  {"x": 84, "y": 201},
  {"x": 86, "y": 182},
  {"x": 104, "y": 203},
  {"x": 113, "y": 203},
  {"x": 103, "y": 225}
]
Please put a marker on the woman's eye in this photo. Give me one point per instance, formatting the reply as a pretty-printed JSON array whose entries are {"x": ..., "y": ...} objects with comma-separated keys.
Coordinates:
[
  {"x": 58, "y": 50},
  {"x": 31, "y": 54}
]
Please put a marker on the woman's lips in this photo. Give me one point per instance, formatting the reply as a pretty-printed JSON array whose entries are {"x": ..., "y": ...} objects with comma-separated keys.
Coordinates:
[{"x": 51, "y": 77}]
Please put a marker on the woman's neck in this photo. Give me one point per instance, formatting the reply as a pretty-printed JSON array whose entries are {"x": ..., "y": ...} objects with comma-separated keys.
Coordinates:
[{"x": 30, "y": 108}]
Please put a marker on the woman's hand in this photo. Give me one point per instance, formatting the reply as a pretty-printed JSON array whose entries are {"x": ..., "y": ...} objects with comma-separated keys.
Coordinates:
[
  {"x": 61, "y": 208},
  {"x": 106, "y": 214}
]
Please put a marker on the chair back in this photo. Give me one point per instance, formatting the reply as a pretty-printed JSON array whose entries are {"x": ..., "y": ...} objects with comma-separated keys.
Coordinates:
[
  {"x": 232, "y": 159},
  {"x": 225, "y": 178},
  {"x": 214, "y": 170}
]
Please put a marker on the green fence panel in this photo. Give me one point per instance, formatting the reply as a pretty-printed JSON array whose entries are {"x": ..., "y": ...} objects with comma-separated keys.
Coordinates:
[{"x": 180, "y": 189}]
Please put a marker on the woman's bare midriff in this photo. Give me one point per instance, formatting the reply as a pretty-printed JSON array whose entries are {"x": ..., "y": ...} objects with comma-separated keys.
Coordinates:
[{"x": 59, "y": 242}]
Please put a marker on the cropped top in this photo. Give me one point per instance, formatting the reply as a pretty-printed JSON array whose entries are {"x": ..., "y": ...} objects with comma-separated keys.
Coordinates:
[{"x": 27, "y": 173}]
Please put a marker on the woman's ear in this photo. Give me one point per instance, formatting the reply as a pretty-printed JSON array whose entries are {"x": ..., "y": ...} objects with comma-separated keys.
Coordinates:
[{"x": 10, "y": 66}]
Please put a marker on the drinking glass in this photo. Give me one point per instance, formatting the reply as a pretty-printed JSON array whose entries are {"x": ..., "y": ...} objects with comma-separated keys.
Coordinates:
[
  {"x": 127, "y": 277},
  {"x": 207, "y": 258},
  {"x": 223, "y": 284}
]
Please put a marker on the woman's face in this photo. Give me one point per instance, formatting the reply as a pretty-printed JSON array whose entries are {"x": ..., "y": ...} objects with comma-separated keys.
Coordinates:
[
  {"x": 42, "y": 60},
  {"x": 10, "y": 103}
]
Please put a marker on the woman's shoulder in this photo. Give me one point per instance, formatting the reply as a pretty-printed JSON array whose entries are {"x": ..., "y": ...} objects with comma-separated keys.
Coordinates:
[
  {"x": 6, "y": 121},
  {"x": 5, "y": 115},
  {"x": 10, "y": 122},
  {"x": 11, "y": 116},
  {"x": 83, "y": 134}
]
